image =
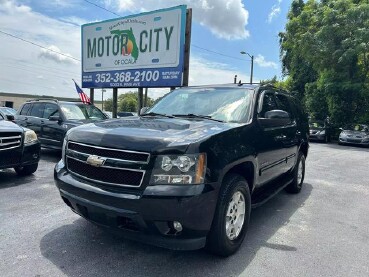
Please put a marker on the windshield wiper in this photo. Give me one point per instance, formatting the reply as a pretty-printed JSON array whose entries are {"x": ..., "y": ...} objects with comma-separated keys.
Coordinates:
[
  {"x": 157, "y": 114},
  {"x": 197, "y": 116}
]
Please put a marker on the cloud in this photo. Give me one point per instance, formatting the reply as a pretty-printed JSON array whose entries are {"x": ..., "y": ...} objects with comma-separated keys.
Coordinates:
[
  {"x": 205, "y": 72},
  {"x": 225, "y": 19},
  {"x": 45, "y": 73},
  {"x": 260, "y": 60},
  {"x": 275, "y": 11},
  {"x": 29, "y": 61},
  {"x": 54, "y": 56}
]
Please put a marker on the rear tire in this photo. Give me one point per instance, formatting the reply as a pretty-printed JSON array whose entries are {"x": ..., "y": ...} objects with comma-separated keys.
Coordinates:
[
  {"x": 26, "y": 170},
  {"x": 298, "y": 175},
  {"x": 231, "y": 218}
]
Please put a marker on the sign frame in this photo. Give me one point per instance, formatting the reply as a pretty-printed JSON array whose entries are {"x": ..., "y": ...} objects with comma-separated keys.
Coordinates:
[{"x": 155, "y": 76}]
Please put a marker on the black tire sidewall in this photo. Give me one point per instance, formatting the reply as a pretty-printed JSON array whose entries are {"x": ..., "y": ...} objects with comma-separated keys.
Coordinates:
[
  {"x": 223, "y": 245},
  {"x": 301, "y": 158},
  {"x": 26, "y": 170}
]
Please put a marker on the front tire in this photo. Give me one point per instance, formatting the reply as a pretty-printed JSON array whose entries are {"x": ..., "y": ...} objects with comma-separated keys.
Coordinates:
[
  {"x": 231, "y": 218},
  {"x": 26, "y": 170},
  {"x": 298, "y": 175}
]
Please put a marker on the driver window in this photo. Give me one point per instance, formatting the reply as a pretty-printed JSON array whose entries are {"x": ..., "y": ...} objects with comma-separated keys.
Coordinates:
[
  {"x": 268, "y": 104},
  {"x": 51, "y": 110}
]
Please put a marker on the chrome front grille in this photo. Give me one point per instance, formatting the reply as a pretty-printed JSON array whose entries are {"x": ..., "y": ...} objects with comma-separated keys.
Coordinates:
[
  {"x": 106, "y": 166},
  {"x": 9, "y": 140}
]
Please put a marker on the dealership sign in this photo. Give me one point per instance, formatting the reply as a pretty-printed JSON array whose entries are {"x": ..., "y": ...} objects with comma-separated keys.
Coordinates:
[{"x": 144, "y": 50}]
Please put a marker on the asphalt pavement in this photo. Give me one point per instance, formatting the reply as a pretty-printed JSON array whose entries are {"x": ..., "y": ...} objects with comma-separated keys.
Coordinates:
[{"x": 323, "y": 231}]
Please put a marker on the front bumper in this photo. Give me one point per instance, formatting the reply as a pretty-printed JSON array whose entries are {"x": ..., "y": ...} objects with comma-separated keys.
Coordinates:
[
  {"x": 21, "y": 156},
  {"x": 317, "y": 137},
  {"x": 363, "y": 142},
  {"x": 148, "y": 215}
]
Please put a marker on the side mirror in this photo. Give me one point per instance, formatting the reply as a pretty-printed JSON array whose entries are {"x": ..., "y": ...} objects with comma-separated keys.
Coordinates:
[
  {"x": 10, "y": 117},
  {"x": 55, "y": 118},
  {"x": 143, "y": 110},
  {"x": 341, "y": 128},
  {"x": 277, "y": 114},
  {"x": 274, "y": 118}
]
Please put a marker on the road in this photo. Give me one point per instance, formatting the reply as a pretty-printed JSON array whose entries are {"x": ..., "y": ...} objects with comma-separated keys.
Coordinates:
[{"x": 323, "y": 231}]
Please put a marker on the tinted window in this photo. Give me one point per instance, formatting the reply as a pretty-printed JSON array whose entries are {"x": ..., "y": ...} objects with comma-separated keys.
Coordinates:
[
  {"x": 283, "y": 104},
  {"x": 269, "y": 103},
  {"x": 25, "y": 109},
  {"x": 37, "y": 110},
  {"x": 51, "y": 110}
]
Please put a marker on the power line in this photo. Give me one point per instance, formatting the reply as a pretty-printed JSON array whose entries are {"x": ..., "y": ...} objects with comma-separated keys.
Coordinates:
[
  {"x": 38, "y": 45},
  {"x": 98, "y": 6},
  {"x": 221, "y": 54},
  {"x": 101, "y": 7}
]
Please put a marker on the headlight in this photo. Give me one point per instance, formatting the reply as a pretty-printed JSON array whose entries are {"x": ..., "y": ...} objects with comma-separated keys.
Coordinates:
[
  {"x": 29, "y": 137},
  {"x": 179, "y": 169}
]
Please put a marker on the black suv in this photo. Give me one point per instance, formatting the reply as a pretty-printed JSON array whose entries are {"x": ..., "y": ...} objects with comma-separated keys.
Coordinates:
[
  {"x": 19, "y": 148},
  {"x": 186, "y": 174},
  {"x": 51, "y": 119}
]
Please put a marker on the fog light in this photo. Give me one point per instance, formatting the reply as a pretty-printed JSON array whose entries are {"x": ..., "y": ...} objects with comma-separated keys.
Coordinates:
[{"x": 177, "y": 226}]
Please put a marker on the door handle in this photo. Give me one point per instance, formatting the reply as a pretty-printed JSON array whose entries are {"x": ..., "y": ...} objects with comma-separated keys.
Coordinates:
[{"x": 280, "y": 137}]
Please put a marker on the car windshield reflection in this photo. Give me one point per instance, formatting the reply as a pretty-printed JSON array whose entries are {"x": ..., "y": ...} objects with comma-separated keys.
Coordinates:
[
  {"x": 221, "y": 104},
  {"x": 357, "y": 127},
  {"x": 81, "y": 112}
]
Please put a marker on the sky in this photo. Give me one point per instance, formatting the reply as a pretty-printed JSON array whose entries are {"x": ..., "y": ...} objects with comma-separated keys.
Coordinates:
[{"x": 37, "y": 39}]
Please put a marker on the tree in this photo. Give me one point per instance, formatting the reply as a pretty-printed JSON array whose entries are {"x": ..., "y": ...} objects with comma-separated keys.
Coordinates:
[
  {"x": 127, "y": 102},
  {"x": 325, "y": 54}
]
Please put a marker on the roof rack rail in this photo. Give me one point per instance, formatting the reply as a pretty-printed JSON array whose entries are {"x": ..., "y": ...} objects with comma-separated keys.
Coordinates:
[{"x": 43, "y": 99}]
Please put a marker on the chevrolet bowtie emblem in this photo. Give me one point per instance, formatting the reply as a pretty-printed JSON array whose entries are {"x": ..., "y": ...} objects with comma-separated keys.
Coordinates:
[{"x": 95, "y": 160}]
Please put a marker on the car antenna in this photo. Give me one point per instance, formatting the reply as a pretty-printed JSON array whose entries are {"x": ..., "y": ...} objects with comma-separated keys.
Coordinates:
[{"x": 240, "y": 83}]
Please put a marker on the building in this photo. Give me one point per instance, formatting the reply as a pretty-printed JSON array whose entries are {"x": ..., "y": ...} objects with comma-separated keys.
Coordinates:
[{"x": 15, "y": 100}]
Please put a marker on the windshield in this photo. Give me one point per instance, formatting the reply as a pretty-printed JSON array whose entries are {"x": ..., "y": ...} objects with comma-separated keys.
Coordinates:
[
  {"x": 316, "y": 124},
  {"x": 357, "y": 127},
  {"x": 225, "y": 104},
  {"x": 81, "y": 111},
  {"x": 8, "y": 111}
]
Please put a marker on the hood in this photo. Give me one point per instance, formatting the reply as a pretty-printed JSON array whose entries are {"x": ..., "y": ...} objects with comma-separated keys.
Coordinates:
[
  {"x": 317, "y": 128},
  {"x": 147, "y": 134},
  {"x": 355, "y": 133},
  {"x": 8, "y": 126}
]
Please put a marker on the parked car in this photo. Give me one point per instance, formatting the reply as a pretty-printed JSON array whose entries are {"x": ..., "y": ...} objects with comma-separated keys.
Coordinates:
[
  {"x": 354, "y": 134},
  {"x": 19, "y": 148},
  {"x": 124, "y": 114},
  {"x": 51, "y": 119},
  {"x": 320, "y": 130},
  {"x": 7, "y": 113},
  {"x": 185, "y": 174}
]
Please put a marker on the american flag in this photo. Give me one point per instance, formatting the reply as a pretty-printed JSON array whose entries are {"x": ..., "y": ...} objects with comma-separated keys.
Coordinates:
[{"x": 82, "y": 95}]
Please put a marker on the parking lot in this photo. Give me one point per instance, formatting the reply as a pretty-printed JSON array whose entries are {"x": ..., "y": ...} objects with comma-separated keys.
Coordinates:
[{"x": 323, "y": 231}]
